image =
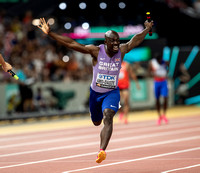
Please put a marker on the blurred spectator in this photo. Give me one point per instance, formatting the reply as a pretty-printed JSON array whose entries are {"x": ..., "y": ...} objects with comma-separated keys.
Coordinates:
[
  {"x": 13, "y": 103},
  {"x": 62, "y": 97},
  {"x": 41, "y": 57},
  {"x": 27, "y": 18},
  {"x": 189, "y": 7},
  {"x": 9, "y": 40},
  {"x": 176, "y": 4},
  {"x": 140, "y": 70},
  {"x": 39, "y": 101},
  {"x": 182, "y": 90},
  {"x": 196, "y": 5},
  {"x": 26, "y": 95}
]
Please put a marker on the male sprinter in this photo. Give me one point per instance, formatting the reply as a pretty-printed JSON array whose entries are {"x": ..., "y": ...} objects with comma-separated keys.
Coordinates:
[
  {"x": 104, "y": 92},
  {"x": 158, "y": 69}
]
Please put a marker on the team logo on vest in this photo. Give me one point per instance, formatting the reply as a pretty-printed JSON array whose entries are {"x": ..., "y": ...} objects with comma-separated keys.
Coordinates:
[{"x": 109, "y": 66}]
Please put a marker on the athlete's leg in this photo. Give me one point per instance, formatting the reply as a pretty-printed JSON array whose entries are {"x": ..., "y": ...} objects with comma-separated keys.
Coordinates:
[
  {"x": 95, "y": 107},
  {"x": 158, "y": 106},
  {"x": 164, "y": 93},
  {"x": 158, "y": 111},
  {"x": 126, "y": 105},
  {"x": 110, "y": 106},
  {"x": 165, "y": 105},
  {"x": 107, "y": 129},
  {"x": 164, "y": 110},
  {"x": 157, "y": 96},
  {"x": 121, "y": 110},
  {"x": 105, "y": 134}
]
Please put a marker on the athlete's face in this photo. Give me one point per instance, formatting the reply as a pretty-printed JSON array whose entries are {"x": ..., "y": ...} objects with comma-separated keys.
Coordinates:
[{"x": 112, "y": 41}]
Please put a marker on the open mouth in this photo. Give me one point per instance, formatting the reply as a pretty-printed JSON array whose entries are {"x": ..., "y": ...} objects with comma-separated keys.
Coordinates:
[{"x": 115, "y": 48}]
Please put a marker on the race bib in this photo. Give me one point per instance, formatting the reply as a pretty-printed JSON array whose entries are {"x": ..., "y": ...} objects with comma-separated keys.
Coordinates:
[{"x": 106, "y": 81}]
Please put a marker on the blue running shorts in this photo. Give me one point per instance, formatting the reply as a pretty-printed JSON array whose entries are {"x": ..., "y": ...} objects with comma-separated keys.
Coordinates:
[
  {"x": 100, "y": 101},
  {"x": 160, "y": 89}
]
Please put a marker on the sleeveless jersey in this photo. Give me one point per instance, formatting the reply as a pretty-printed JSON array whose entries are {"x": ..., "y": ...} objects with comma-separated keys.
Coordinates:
[
  {"x": 106, "y": 71},
  {"x": 160, "y": 70},
  {"x": 123, "y": 81}
]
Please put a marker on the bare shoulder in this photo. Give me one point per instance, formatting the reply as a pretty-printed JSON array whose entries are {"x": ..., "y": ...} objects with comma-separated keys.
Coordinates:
[
  {"x": 92, "y": 47},
  {"x": 124, "y": 48},
  {"x": 94, "y": 50}
]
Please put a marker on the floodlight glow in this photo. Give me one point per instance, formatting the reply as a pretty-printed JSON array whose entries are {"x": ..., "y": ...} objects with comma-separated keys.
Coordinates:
[
  {"x": 103, "y": 5},
  {"x": 68, "y": 25},
  {"x": 65, "y": 58},
  {"x": 63, "y": 6},
  {"x": 122, "y": 5},
  {"x": 85, "y": 25},
  {"x": 51, "y": 21},
  {"x": 82, "y": 5},
  {"x": 36, "y": 22}
]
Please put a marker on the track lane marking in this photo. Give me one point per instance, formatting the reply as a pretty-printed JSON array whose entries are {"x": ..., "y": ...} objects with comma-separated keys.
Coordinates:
[
  {"x": 97, "y": 142},
  {"x": 134, "y": 160},
  {"x": 177, "y": 169},
  {"x": 63, "y": 132},
  {"x": 173, "y": 112},
  {"x": 112, "y": 150},
  {"x": 91, "y": 136}
]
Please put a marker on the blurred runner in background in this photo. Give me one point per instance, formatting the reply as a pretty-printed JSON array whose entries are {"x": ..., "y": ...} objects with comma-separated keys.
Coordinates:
[
  {"x": 126, "y": 73},
  {"x": 158, "y": 69}
]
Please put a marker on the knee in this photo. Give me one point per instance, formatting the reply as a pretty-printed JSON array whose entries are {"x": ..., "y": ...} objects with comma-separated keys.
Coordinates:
[
  {"x": 108, "y": 115},
  {"x": 96, "y": 123}
]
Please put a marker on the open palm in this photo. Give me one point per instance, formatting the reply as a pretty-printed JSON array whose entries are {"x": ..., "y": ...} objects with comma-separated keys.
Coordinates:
[{"x": 44, "y": 26}]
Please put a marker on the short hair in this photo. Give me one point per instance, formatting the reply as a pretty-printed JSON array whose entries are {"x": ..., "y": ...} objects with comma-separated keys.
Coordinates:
[{"x": 109, "y": 32}]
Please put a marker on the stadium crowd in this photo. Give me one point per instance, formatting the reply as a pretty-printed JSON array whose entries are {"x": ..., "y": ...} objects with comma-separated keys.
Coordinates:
[{"x": 35, "y": 56}]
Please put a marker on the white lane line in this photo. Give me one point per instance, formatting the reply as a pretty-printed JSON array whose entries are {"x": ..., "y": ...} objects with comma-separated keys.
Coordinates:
[
  {"x": 48, "y": 141},
  {"x": 117, "y": 149},
  {"x": 97, "y": 142},
  {"x": 133, "y": 160},
  {"x": 188, "y": 167},
  {"x": 44, "y": 134},
  {"x": 81, "y": 137},
  {"x": 64, "y": 132}
]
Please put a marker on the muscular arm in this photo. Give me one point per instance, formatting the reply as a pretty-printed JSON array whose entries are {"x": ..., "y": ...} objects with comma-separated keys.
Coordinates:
[
  {"x": 68, "y": 42},
  {"x": 137, "y": 39},
  {"x": 72, "y": 44}
]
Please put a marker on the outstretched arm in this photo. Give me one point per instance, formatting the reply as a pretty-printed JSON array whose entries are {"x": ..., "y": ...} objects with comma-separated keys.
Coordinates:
[
  {"x": 66, "y": 41},
  {"x": 138, "y": 38},
  {"x": 5, "y": 66}
]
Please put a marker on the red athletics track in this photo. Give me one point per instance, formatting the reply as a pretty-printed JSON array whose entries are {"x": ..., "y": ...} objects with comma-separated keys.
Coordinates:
[{"x": 139, "y": 147}]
